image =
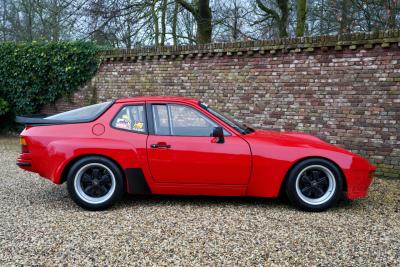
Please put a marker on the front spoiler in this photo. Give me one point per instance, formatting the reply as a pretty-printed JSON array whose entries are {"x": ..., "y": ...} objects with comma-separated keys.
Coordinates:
[{"x": 24, "y": 164}]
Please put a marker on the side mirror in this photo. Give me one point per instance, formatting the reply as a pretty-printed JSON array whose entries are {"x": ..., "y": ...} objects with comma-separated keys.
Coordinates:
[{"x": 218, "y": 132}]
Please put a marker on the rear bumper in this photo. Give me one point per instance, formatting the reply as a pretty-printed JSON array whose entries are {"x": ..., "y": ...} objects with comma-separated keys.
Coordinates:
[
  {"x": 24, "y": 161},
  {"x": 43, "y": 167}
]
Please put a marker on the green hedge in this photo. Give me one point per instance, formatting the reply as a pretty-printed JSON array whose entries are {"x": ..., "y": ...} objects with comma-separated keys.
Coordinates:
[{"x": 34, "y": 74}]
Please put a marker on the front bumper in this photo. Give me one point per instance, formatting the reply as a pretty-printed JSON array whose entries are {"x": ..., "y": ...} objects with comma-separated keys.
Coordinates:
[
  {"x": 24, "y": 164},
  {"x": 359, "y": 181}
]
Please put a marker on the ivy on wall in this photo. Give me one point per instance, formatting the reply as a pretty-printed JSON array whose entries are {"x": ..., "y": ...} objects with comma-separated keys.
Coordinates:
[{"x": 34, "y": 74}]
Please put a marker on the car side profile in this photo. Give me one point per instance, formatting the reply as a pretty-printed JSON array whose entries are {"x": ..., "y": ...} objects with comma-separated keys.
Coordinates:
[{"x": 180, "y": 146}]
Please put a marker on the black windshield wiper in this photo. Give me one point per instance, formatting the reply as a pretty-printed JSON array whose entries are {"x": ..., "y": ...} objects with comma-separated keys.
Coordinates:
[{"x": 248, "y": 129}]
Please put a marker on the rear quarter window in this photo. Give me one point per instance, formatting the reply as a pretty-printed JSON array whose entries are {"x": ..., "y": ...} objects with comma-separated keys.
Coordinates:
[
  {"x": 87, "y": 113},
  {"x": 131, "y": 118}
]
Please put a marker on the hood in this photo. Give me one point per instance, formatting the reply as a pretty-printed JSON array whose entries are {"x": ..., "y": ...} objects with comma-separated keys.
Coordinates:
[
  {"x": 293, "y": 139},
  {"x": 287, "y": 136},
  {"x": 274, "y": 139}
]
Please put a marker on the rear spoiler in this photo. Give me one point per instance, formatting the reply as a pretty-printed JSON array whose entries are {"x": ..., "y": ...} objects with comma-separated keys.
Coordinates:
[{"x": 39, "y": 120}]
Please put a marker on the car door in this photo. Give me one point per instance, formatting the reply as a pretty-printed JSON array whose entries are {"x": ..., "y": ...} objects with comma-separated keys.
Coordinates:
[{"x": 181, "y": 150}]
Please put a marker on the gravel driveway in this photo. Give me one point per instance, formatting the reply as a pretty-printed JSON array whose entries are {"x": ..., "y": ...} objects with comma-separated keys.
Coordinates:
[{"x": 40, "y": 225}]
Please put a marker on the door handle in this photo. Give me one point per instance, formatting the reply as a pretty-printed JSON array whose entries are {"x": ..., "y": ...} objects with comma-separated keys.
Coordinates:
[{"x": 160, "y": 145}]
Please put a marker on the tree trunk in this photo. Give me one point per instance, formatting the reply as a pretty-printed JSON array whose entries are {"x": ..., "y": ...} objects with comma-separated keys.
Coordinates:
[
  {"x": 56, "y": 13},
  {"x": 301, "y": 17},
  {"x": 201, "y": 11},
  {"x": 281, "y": 20},
  {"x": 163, "y": 21},
  {"x": 204, "y": 22},
  {"x": 284, "y": 20},
  {"x": 128, "y": 40},
  {"x": 155, "y": 22},
  {"x": 235, "y": 29},
  {"x": 344, "y": 21},
  {"x": 321, "y": 18},
  {"x": 174, "y": 23},
  {"x": 390, "y": 9},
  {"x": 28, "y": 20}
]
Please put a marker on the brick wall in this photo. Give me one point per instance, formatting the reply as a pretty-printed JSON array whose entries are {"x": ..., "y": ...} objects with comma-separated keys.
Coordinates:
[{"x": 343, "y": 89}]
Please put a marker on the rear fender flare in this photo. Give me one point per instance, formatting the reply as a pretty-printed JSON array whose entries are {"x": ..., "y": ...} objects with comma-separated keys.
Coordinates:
[{"x": 64, "y": 153}]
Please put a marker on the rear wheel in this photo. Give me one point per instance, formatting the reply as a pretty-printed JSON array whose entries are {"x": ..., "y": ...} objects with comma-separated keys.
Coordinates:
[
  {"x": 314, "y": 185},
  {"x": 95, "y": 183}
]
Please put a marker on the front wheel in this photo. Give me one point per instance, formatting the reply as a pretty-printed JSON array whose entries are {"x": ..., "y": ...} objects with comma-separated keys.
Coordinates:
[
  {"x": 314, "y": 185},
  {"x": 95, "y": 183}
]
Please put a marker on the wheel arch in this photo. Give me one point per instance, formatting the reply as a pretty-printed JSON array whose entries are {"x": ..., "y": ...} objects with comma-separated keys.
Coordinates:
[
  {"x": 294, "y": 164},
  {"x": 64, "y": 173}
]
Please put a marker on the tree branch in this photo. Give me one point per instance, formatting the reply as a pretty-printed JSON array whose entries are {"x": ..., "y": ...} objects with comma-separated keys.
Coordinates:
[
  {"x": 267, "y": 10},
  {"x": 188, "y": 7}
]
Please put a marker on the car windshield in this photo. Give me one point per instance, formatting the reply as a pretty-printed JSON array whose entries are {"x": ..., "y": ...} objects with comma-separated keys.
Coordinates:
[
  {"x": 242, "y": 128},
  {"x": 82, "y": 114}
]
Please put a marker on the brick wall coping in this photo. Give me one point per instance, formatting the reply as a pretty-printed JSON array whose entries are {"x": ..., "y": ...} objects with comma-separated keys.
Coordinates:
[{"x": 284, "y": 45}]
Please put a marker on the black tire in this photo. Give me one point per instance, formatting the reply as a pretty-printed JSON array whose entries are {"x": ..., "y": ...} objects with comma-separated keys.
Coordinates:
[
  {"x": 311, "y": 177},
  {"x": 104, "y": 177}
]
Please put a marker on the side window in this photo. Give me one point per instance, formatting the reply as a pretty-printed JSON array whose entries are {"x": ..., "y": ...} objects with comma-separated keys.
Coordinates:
[
  {"x": 131, "y": 118},
  {"x": 187, "y": 121}
]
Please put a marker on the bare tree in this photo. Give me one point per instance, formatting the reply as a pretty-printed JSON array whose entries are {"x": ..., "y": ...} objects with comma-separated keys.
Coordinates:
[
  {"x": 175, "y": 23},
  {"x": 301, "y": 17},
  {"x": 201, "y": 11},
  {"x": 154, "y": 16},
  {"x": 281, "y": 18},
  {"x": 129, "y": 23},
  {"x": 164, "y": 10}
]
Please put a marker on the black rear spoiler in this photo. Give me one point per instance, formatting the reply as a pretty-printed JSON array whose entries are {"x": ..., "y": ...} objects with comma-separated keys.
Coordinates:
[{"x": 39, "y": 120}]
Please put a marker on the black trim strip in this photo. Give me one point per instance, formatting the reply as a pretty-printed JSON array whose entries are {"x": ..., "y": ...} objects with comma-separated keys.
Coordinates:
[
  {"x": 137, "y": 183},
  {"x": 24, "y": 164},
  {"x": 149, "y": 116}
]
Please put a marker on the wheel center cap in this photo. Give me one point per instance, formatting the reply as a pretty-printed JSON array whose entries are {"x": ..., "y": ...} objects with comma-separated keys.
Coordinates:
[
  {"x": 95, "y": 182},
  {"x": 313, "y": 183}
]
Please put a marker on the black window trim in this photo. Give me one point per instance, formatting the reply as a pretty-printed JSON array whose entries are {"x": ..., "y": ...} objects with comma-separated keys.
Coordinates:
[
  {"x": 146, "y": 132},
  {"x": 151, "y": 128},
  {"x": 149, "y": 118}
]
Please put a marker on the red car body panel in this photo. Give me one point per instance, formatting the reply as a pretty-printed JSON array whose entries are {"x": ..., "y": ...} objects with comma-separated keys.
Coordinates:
[
  {"x": 274, "y": 153},
  {"x": 200, "y": 161},
  {"x": 253, "y": 164}
]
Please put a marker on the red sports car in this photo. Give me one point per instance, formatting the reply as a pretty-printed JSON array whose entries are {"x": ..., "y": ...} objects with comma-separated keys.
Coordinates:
[{"x": 180, "y": 146}]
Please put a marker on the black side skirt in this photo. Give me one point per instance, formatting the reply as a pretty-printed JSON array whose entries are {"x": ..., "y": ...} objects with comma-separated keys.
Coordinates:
[{"x": 136, "y": 182}]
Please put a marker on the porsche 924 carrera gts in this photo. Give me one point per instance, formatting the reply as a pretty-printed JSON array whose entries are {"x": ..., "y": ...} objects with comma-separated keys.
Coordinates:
[{"x": 174, "y": 145}]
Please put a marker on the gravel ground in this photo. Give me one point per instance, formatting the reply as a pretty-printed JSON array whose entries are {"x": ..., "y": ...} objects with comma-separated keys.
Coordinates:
[{"x": 40, "y": 225}]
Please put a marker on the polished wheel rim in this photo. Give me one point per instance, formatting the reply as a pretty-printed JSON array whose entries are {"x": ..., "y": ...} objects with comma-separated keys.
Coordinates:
[
  {"x": 94, "y": 183},
  {"x": 315, "y": 184}
]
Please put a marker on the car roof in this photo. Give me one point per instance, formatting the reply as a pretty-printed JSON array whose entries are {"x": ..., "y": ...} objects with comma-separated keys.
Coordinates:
[{"x": 157, "y": 98}]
